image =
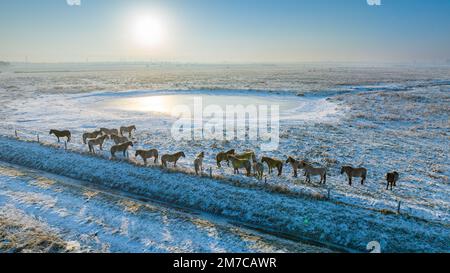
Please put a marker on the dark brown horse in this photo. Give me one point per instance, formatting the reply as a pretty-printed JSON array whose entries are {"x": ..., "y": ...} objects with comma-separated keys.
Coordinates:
[
  {"x": 392, "y": 179},
  {"x": 223, "y": 156},
  {"x": 60, "y": 134},
  {"x": 121, "y": 148}
]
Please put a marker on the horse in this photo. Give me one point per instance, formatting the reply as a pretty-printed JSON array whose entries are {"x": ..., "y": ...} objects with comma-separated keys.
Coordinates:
[
  {"x": 354, "y": 172},
  {"x": 295, "y": 164},
  {"x": 246, "y": 156},
  {"x": 147, "y": 154},
  {"x": 273, "y": 163},
  {"x": 128, "y": 130},
  {"x": 171, "y": 158},
  {"x": 312, "y": 171},
  {"x": 92, "y": 135},
  {"x": 98, "y": 141},
  {"x": 392, "y": 179},
  {"x": 59, "y": 134},
  {"x": 198, "y": 163},
  {"x": 239, "y": 164},
  {"x": 258, "y": 168},
  {"x": 224, "y": 156},
  {"x": 121, "y": 148},
  {"x": 119, "y": 139},
  {"x": 109, "y": 132}
]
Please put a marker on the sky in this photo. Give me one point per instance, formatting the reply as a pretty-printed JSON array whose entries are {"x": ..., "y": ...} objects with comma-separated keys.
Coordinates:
[{"x": 209, "y": 31}]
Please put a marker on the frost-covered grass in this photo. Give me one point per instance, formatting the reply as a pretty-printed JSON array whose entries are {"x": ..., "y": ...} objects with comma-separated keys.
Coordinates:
[
  {"x": 43, "y": 212},
  {"x": 317, "y": 220},
  {"x": 386, "y": 119},
  {"x": 22, "y": 233}
]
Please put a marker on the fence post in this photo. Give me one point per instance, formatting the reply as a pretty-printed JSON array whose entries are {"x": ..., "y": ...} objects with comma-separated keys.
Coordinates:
[
  {"x": 398, "y": 207},
  {"x": 329, "y": 193},
  {"x": 65, "y": 145},
  {"x": 38, "y": 138},
  {"x": 210, "y": 172}
]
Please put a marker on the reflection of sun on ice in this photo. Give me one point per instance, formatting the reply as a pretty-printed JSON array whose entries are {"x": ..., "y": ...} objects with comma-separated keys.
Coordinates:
[
  {"x": 160, "y": 104},
  {"x": 147, "y": 30}
]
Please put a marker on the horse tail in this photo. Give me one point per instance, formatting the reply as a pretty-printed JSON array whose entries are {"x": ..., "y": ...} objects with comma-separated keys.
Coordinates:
[{"x": 218, "y": 161}]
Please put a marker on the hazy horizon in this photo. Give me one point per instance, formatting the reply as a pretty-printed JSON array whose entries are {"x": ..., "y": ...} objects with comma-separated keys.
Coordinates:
[{"x": 224, "y": 32}]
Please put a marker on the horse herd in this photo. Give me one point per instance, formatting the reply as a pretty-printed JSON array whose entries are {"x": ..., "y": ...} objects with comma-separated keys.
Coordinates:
[{"x": 246, "y": 160}]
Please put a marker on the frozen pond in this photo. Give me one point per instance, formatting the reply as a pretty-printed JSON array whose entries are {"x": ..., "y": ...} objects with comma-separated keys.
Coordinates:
[{"x": 290, "y": 106}]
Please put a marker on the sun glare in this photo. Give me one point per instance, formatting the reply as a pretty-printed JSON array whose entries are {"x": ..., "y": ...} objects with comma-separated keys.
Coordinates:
[{"x": 147, "y": 30}]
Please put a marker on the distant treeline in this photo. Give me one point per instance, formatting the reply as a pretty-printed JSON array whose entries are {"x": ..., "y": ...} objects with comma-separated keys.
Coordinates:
[{"x": 4, "y": 63}]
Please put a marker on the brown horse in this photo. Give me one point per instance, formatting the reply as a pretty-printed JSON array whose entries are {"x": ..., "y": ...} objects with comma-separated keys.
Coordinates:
[
  {"x": 92, "y": 135},
  {"x": 354, "y": 172},
  {"x": 392, "y": 179},
  {"x": 119, "y": 139},
  {"x": 127, "y": 129},
  {"x": 121, "y": 148},
  {"x": 97, "y": 142},
  {"x": 171, "y": 158},
  {"x": 311, "y": 171},
  {"x": 246, "y": 156},
  {"x": 258, "y": 167},
  {"x": 144, "y": 154},
  {"x": 240, "y": 164},
  {"x": 60, "y": 134},
  {"x": 295, "y": 164},
  {"x": 273, "y": 163},
  {"x": 224, "y": 156},
  {"x": 109, "y": 132},
  {"x": 198, "y": 163}
]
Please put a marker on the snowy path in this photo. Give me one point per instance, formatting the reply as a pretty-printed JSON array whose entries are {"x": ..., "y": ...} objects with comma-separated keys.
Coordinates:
[{"x": 90, "y": 219}]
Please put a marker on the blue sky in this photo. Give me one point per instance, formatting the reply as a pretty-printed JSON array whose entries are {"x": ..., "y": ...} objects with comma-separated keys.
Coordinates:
[{"x": 227, "y": 30}]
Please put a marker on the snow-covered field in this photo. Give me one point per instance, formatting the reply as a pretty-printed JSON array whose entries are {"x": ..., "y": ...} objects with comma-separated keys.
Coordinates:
[
  {"x": 384, "y": 118},
  {"x": 47, "y": 212}
]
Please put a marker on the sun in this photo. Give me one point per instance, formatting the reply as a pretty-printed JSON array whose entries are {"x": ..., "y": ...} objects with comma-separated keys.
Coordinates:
[{"x": 147, "y": 30}]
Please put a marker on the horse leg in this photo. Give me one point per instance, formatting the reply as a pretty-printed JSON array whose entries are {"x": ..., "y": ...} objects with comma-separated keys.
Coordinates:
[
  {"x": 145, "y": 161},
  {"x": 362, "y": 180},
  {"x": 58, "y": 139},
  {"x": 295, "y": 173},
  {"x": 350, "y": 180}
]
